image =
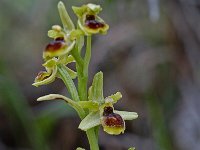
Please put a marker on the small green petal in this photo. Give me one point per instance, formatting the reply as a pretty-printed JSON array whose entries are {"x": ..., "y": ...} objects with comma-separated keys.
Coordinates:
[
  {"x": 127, "y": 115},
  {"x": 90, "y": 121},
  {"x": 89, "y": 8},
  {"x": 54, "y": 34},
  {"x": 50, "y": 63},
  {"x": 117, "y": 96},
  {"x": 79, "y": 11},
  {"x": 95, "y": 8}
]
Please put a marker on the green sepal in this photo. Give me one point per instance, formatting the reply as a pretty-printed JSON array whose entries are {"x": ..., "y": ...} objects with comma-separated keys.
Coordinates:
[
  {"x": 91, "y": 105},
  {"x": 75, "y": 34},
  {"x": 72, "y": 103},
  {"x": 50, "y": 63},
  {"x": 96, "y": 91},
  {"x": 127, "y": 115},
  {"x": 66, "y": 20},
  {"x": 90, "y": 121},
  {"x": 89, "y": 8}
]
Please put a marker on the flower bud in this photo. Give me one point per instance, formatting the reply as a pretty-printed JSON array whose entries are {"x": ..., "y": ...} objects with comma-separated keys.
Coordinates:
[{"x": 56, "y": 28}]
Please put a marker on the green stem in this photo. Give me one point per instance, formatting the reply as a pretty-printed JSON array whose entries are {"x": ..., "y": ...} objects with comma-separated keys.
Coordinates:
[
  {"x": 82, "y": 70},
  {"x": 87, "y": 56},
  {"x": 92, "y": 139},
  {"x": 77, "y": 57},
  {"x": 91, "y": 133}
]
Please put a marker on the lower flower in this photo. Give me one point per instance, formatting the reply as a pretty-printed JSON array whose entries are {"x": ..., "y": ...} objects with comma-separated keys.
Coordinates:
[{"x": 112, "y": 122}]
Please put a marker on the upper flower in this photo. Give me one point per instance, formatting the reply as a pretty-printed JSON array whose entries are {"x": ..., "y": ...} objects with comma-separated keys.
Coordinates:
[
  {"x": 58, "y": 47},
  {"x": 88, "y": 20}
]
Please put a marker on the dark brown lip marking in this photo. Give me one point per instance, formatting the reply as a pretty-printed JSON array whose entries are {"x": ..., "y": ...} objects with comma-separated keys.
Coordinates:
[
  {"x": 92, "y": 23},
  {"x": 59, "y": 39},
  {"x": 114, "y": 120},
  {"x": 107, "y": 111},
  {"x": 111, "y": 118},
  {"x": 55, "y": 45},
  {"x": 41, "y": 76}
]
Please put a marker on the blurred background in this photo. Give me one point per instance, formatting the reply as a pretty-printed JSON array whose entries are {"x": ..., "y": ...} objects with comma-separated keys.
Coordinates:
[{"x": 151, "y": 54}]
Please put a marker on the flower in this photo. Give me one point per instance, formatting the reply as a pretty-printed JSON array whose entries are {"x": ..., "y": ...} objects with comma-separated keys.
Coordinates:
[
  {"x": 102, "y": 110},
  {"x": 88, "y": 20},
  {"x": 51, "y": 66},
  {"x": 62, "y": 43},
  {"x": 58, "y": 47},
  {"x": 112, "y": 121},
  {"x": 48, "y": 76}
]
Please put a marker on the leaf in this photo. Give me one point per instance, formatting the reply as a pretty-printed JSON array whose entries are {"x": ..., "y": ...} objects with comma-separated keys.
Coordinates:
[
  {"x": 90, "y": 121},
  {"x": 127, "y": 115}
]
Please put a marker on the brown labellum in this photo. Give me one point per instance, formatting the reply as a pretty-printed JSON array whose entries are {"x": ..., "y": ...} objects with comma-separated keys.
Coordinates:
[
  {"x": 55, "y": 45},
  {"x": 92, "y": 23},
  {"x": 112, "y": 119},
  {"x": 42, "y": 75}
]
